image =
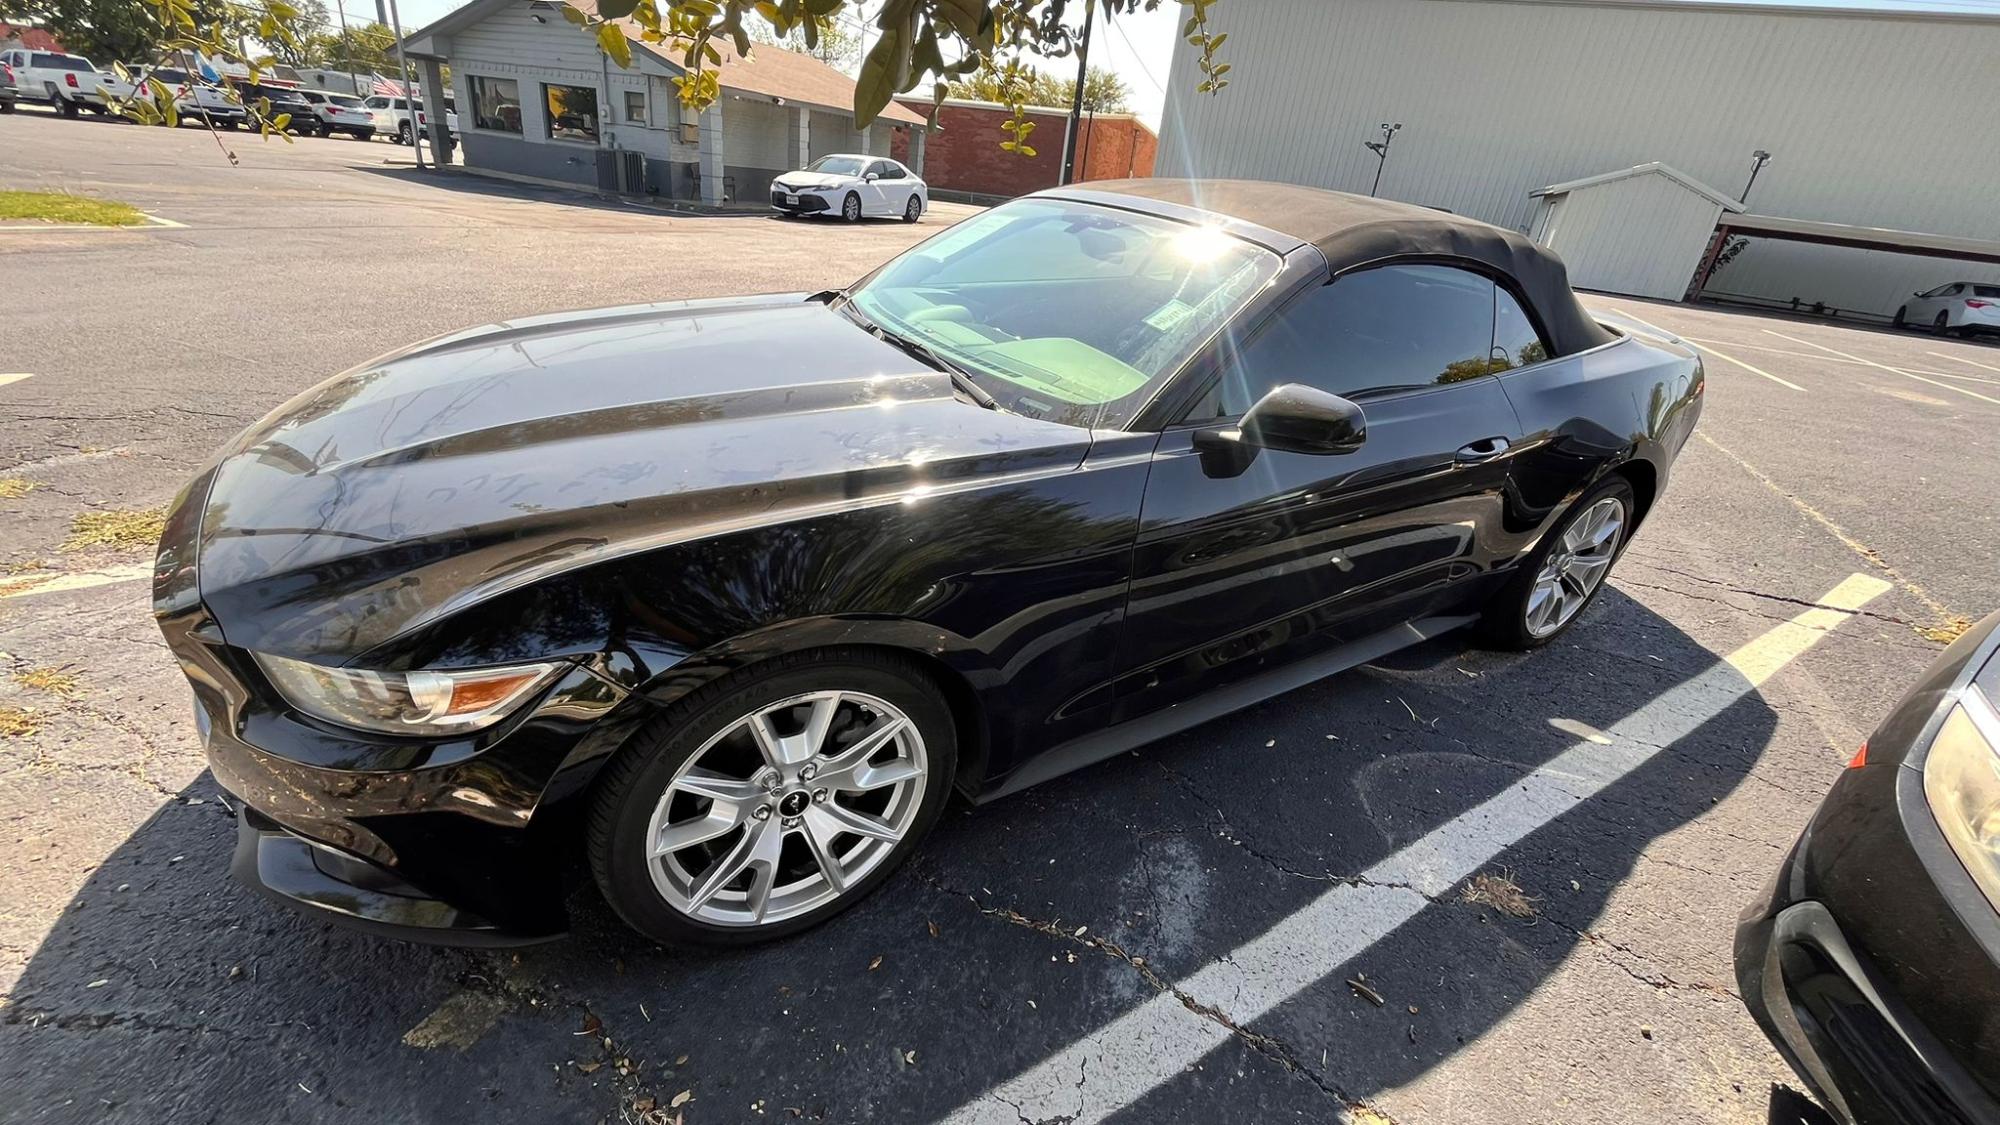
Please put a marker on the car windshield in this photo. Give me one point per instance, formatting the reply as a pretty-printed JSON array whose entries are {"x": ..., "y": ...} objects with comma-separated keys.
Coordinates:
[
  {"x": 1067, "y": 311},
  {"x": 1986, "y": 290},
  {"x": 836, "y": 166}
]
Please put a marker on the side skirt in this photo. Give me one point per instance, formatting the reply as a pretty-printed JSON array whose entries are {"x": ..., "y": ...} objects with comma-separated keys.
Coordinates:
[{"x": 1114, "y": 740}]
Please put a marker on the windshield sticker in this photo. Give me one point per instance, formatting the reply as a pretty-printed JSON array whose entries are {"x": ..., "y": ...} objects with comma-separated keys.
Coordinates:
[{"x": 1169, "y": 316}]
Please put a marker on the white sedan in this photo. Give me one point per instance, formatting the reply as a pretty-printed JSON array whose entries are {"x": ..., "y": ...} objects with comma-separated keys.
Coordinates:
[
  {"x": 1963, "y": 307},
  {"x": 851, "y": 186}
]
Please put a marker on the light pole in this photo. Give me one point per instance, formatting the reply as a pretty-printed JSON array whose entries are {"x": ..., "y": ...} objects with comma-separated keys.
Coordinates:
[
  {"x": 1076, "y": 98},
  {"x": 1381, "y": 150},
  {"x": 1758, "y": 159}
]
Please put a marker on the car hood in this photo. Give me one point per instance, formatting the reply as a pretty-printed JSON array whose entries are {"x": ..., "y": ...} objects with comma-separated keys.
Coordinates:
[
  {"x": 427, "y": 481},
  {"x": 810, "y": 180}
]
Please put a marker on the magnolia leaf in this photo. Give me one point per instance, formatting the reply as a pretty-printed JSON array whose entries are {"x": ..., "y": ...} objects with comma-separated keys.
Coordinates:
[
  {"x": 1026, "y": 150},
  {"x": 612, "y": 38},
  {"x": 616, "y": 9},
  {"x": 279, "y": 122},
  {"x": 574, "y": 16},
  {"x": 877, "y": 81}
]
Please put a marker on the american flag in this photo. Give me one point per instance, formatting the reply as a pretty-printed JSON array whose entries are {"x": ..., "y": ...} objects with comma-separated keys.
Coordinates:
[{"x": 381, "y": 85}]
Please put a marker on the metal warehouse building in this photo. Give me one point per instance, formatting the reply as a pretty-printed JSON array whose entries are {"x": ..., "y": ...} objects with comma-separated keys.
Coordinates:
[{"x": 1610, "y": 128}]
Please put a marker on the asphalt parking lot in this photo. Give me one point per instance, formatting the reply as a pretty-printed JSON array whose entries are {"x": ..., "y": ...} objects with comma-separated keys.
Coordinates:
[{"x": 1452, "y": 886}]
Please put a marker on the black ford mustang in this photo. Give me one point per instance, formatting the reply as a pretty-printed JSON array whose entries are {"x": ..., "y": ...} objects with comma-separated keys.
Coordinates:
[{"x": 720, "y": 600}]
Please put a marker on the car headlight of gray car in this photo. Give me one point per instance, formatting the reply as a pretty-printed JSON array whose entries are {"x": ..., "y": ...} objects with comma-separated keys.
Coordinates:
[
  {"x": 1962, "y": 786},
  {"x": 415, "y": 703}
]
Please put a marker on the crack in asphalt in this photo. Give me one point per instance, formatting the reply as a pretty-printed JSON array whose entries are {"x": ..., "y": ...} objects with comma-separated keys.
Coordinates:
[
  {"x": 1807, "y": 603},
  {"x": 1269, "y": 1046}
]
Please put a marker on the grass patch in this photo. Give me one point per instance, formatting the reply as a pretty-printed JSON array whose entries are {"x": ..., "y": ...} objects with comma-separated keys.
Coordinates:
[
  {"x": 13, "y": 488},
  {"x": 1501, "y": 893},
  {"x": 16, "y": 723},
  {"x": 54, "y": 681},
  {"x": 18, "y": 586},
  {"x": 62, "y": 207},
  {"x": 118, "y": 530}
]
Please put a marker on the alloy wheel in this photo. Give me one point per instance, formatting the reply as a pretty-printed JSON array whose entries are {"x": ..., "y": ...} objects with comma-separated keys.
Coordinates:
[
  {"x": 1576, "y": 567},
  {"x": 851, "y": 209},
  {"x": 786, "y": 808}
]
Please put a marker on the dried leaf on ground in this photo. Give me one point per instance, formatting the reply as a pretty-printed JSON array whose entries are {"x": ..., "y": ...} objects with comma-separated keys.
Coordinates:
[
  {"x": 13, "y": 488},
  {"x": 116, "y": 529},
  {"x": 1501, "y": 893},
  {"x": 55, "y": 681},
  {"x": 1949, "y": 630},
  {"x": 16, "y": 723}
]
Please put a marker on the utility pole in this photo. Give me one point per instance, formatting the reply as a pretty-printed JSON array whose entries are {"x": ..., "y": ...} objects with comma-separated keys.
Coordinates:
[
  {"x": 1076, "y": 99},
  {"x": 1758, "y": 159},
  {"x": 409, "y": 87},
  {"x": 347, "y": 46},
  {"x": 1381, "y": 150}
]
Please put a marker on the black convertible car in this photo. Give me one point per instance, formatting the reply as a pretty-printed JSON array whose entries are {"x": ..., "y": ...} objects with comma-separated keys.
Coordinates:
[{"x": 720, "y": 600}]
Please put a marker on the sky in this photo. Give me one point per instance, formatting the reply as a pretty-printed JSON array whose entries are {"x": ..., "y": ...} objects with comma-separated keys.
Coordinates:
[{"x": 1138, "y": 48}]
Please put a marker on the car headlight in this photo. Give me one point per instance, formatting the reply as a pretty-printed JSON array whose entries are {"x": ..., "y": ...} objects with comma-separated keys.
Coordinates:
[
  {"x": 1962, "y": 787},
  {"x": 413, "y": 703}
]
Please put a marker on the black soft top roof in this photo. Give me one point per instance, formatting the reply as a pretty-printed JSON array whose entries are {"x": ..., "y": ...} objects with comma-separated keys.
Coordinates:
[{"x": 1353, "y": 231}]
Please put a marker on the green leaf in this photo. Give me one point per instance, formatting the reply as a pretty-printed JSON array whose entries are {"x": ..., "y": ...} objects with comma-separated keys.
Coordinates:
[
  {"x": 612, "y": 38},
  {"x": 279, "y": 122},
  {"x": 616, "y": 9},
  {"x": 1026, "y": 150},
  {"x": 877, "y": 80},
  {"x": 574, "y": 16}
]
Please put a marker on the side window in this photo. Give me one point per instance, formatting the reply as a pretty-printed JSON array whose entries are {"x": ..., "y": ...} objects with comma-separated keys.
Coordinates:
[
  {"x": 1516, "y": 343},
  {"x": 883, "y": 169},
  {"x": 1955, "y": 290},
  {"x": 1385, "y": 329}
]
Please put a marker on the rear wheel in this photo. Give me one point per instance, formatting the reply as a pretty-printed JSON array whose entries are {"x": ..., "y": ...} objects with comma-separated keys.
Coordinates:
[
  {"x": 1551, "y": 587},
  {"x": 1901, "y": 318},
  {"x": 1942, "y": 325},
  {"x": 63, "y": 105},
  {"x": 850, "y": 208},
  {"x": 403, "y": 133},
  {"x": 914, "y": 209},
  {"x": 774, "y": 799}
]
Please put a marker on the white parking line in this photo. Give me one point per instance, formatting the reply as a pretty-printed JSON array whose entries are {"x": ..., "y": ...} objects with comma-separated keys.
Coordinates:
[
  {"x": 1886, "y": 367},
  {"x": 1747, "y": 367},
  {"x": 15, "y": 377},
  {"x": 1154, "y": 1043},
  {"x": 1962, "y": 359},
  {"x": 1818, "y": 357}
]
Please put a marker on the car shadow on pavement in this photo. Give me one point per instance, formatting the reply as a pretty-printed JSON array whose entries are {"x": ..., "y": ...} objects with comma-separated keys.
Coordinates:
[{"x": 166, "y": 992}]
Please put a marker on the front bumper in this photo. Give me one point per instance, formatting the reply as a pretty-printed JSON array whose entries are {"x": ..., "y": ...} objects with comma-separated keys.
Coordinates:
[
  {"x": 1872, "y": 960},
  {"x": 807, "y": 203},
  {"x": 313, "y": 877}
]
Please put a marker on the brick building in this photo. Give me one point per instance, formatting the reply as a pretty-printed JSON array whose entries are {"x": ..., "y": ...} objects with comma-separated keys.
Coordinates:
[{"x": 965, "y": 155}]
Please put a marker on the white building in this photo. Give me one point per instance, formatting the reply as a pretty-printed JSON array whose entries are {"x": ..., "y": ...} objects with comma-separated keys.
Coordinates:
[
  {"x": 1873, "y": 120},
  {"x": 538, "y": 99}
]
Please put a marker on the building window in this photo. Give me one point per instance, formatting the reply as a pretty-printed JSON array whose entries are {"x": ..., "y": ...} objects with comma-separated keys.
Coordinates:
[
  {"x": 572, "y": 113},
  {"x": 496, "y": 104},
  {"x": 635, "y": 107}
]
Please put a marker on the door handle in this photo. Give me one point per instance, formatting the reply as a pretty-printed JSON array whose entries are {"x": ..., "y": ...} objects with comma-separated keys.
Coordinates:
[{"x": 1485, "y": 449}]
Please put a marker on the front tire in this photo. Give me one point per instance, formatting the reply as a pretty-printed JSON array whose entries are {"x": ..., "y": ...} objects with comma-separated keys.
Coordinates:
[
  {"x": 914, "y": 209},
  {"x": 850, "y": 208},
  {"x": 403, "y": 133},
  {"x": 1901, "y": 319},
  {"x": 773, "y": 799},
  {"x": 1559, "y": 579},
  {"x": 1942, "y": 325}
]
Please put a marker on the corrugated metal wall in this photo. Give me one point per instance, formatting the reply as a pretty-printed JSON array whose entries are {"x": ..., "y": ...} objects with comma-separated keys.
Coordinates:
[
  {"x": 1498, "y": 98},
  {"x": 1642, "y": 235}
]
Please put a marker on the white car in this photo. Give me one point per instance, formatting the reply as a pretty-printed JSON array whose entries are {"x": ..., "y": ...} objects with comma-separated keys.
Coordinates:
[
  {"x": 195, "y": 101},
  {"x": 340, "y": 113},
  {"x": 68, "y": 82},
  {"x": 392, "y": 117},
  {"x": 851, "y": 186},
  {"x": 1964, "y": 307}
]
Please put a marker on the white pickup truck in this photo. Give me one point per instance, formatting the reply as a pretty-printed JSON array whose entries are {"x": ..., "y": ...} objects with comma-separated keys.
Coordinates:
[
  {"x": 194, "y": 98},
  {"x": 68, "y": 82}
]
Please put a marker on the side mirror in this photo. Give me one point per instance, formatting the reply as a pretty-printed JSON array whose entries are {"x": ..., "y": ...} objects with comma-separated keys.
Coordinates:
[
  {"x": 870, "y": 177},
  {"x": 1294, "y": 418}
]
